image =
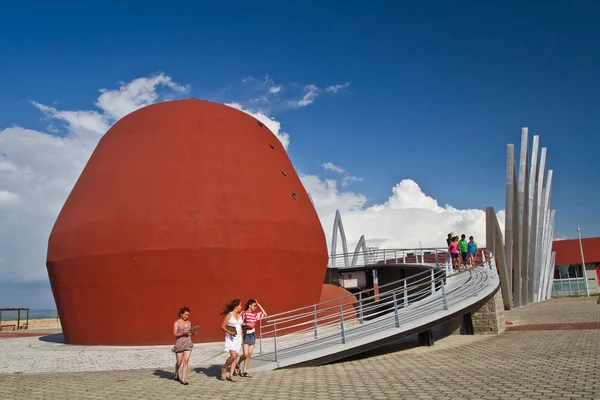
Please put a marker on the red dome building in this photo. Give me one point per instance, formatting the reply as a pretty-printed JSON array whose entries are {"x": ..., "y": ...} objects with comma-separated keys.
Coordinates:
[{"x": 182, "y": 203}]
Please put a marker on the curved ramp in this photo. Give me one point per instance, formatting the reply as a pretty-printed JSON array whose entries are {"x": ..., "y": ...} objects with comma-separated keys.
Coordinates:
[{"x": 343, "y": 327}]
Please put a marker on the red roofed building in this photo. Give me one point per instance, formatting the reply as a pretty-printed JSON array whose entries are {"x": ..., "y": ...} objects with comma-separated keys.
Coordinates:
[{"x": 568, "y": 276}]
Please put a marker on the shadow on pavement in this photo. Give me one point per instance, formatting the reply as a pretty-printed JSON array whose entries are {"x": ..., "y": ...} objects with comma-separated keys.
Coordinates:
[
  {"x": 161, "y": 373},
  {"x": 55, "y": 338},
  {"x": 213, "y": 371},
  {"x": 408, "y": 342}
]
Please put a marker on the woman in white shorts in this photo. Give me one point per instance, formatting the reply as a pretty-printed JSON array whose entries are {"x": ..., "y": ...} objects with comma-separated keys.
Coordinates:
[{"x": 232, "y": 326}]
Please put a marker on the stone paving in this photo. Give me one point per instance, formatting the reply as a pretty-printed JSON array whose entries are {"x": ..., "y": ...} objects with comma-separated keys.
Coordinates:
[{"x": 521, "y": 364}]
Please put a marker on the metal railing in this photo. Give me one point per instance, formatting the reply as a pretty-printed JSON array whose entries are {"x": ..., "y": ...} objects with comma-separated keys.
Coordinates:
[
  {"x": 354, "y": 316},
  {"x": 426, "y": 256}
]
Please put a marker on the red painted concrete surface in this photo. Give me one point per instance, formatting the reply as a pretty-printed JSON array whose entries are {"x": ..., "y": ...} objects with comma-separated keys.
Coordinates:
[
  {"x": 339, "y": 297},
  {"x": 568, "y": 326},
  {"x": 182, "y": 203},
  {"x": 568, "y": 251},
  {"x": 304, "y": 319}
]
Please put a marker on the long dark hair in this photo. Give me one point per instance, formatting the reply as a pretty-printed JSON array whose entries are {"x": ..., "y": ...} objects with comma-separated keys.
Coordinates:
[
  {"x": 230, "y": 306},
  {"x": 249, "y": 303}
]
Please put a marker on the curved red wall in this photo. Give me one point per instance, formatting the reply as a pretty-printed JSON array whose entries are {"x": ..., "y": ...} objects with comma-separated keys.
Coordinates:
[
  {"x": 182, "y": 203},
  {"x": 337, "y": 296}
]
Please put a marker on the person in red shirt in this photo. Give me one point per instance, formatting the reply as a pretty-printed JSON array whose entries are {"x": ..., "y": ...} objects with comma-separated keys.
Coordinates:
[{"x": 250, "y": 316}]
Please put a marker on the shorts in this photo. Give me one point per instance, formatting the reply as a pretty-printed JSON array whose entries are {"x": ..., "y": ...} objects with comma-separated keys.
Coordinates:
[
  {"x": 464, "y": 255},
  {"x": 472, "y": 254},
  {"x": 454, "y": 255},
  {"x": 250, "y": 339}
]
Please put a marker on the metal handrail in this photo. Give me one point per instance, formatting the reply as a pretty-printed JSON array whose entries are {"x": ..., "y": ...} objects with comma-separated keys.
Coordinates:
[
  {"x": 387, "y": 293},
  {"x": 331, "y": 316},
  {"x": 335, "y": 316},
  {"x": 373, "y": 297},
  {"x": 347, "y": 317},
  {"x": 378, "y": 256},
  {"x": 441, "y": 266}
]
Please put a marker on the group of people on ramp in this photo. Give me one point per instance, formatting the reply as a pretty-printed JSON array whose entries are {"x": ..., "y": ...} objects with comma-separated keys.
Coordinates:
[
  {"x": 240, "y": 338},
  {"x": 463, "y": 253}
]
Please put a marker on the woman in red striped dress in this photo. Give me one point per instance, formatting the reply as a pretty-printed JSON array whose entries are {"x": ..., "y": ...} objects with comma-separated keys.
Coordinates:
[{"x": 250, "y": 316}]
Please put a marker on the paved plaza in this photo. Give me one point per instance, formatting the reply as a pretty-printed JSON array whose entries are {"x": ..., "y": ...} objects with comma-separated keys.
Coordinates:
[{"x": 527, "y": 364}]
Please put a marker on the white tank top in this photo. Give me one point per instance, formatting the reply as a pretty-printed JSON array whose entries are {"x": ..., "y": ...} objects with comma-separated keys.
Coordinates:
[{"x": 234, "y": 323}]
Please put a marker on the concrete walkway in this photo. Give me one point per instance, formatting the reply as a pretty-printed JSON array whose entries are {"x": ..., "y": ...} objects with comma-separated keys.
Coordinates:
[{"x": 547, "y": 364}]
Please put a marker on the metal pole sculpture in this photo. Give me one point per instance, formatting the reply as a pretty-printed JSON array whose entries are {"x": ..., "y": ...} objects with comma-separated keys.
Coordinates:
[
  {"x": 509, "y": 216},
  {"x": 587, "y": 290},
  {"x": 530, "y": 232},
  {"x": 528, "y": 271},
  {"x": 538, "y": 229},
  {"x": 493, "y": 240},
  {"x": 520, "y": 255}
]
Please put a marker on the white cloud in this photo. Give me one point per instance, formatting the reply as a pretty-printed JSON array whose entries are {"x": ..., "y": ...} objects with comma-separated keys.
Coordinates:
[
  {"x": 337, "y": 88},
  {"x": 273, "y": 125},
  {"x": 136, "y": 94},
  {"x": 6, "y": 198},
  {"x": 346, "y": 179},
  {"x": 38, "y": 171},
  {"x": 332, "y": 167},
  {"x": 264, "y": 95},
  {"x": 407, "y": 217},
  {"x": 310, "y": 94}
]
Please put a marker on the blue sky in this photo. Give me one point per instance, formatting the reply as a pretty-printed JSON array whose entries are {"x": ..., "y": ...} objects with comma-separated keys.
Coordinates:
[{"x": 437, "y": 89}]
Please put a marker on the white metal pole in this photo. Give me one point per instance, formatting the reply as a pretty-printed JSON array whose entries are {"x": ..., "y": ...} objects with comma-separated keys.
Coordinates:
[{"x": 587, "y": 290}]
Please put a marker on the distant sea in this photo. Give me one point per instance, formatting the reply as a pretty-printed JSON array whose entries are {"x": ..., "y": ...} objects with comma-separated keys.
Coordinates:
[{"x": 33, "y": 314}]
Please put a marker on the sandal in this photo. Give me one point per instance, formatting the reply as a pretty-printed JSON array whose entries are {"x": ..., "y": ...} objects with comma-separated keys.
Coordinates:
[
  {"x": 184, "y": 383},
  {"x": 223, "y": 374},
  {"x": 231, "y": 379},
  {"x": 246, "y": 375},
  {"x": 236, "y": 371}
]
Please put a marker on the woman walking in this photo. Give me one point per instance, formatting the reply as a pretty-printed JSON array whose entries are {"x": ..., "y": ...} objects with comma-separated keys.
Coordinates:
[
  {"x": 453, "y": 250},
  {"x": 232, "y": 326},
  {"x": 472, "y": 245},
  {"x": 250, "y": 316},
  {"x": 182, "y": 330}
]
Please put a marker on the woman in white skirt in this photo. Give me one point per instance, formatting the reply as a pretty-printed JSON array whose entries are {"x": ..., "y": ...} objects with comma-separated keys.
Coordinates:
[{"x": 232, "y": 326}]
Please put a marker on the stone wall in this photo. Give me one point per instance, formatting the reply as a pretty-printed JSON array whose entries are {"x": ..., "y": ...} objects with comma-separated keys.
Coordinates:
[{"x": 489, "y": 318}]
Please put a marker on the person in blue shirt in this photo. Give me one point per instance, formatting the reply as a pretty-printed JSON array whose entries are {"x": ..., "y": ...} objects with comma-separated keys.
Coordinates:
[{"x": 472, "y": 249}]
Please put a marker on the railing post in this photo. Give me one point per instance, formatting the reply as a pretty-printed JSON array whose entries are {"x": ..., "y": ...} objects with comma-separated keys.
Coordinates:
[
  {"x": 259, "y": 336},
  {"x": 396, "y": 312},
  {"x": 432, "y": 282},
  {"x": 437, "y": 261},
  {"x": 444, "y": 301},
  {"x": 360, "y": 308},
  {"x": 473, "y": 283},
  {"x": 396, "y": 257},
  {"x": 384, "y": 259},
  {"x": 275, "y": 339},
  {"x": 315, "y": 319},
  {"x": 342, "y": 322},
  {"x": 405, "y": 294}
]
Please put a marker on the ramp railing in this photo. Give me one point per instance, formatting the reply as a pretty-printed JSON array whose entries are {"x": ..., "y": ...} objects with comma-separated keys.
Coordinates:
[
  {"x": 352, "y": 317},
  {"x": 422, "y": 256}
]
